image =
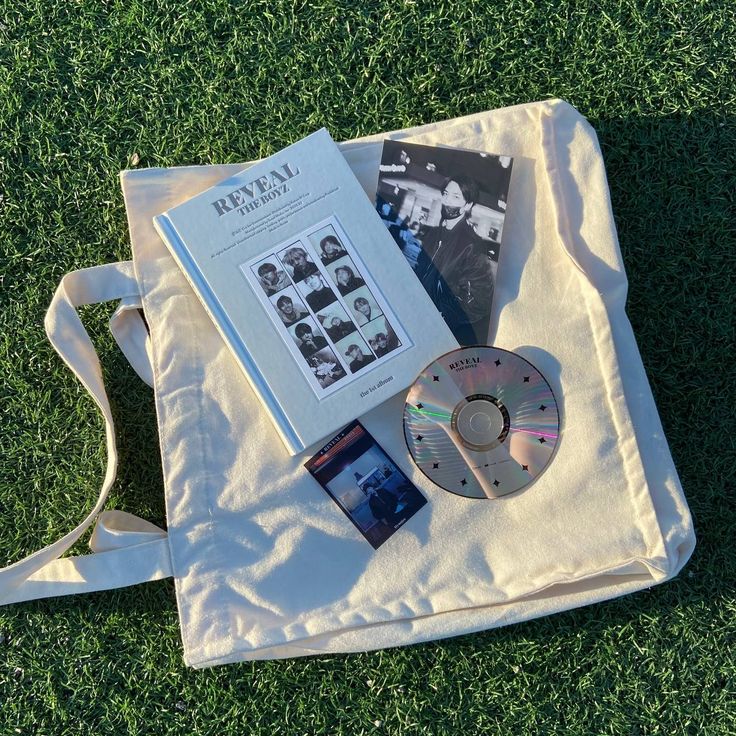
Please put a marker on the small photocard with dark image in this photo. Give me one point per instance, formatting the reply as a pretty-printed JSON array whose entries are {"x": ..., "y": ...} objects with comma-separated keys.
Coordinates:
[
  {"x": 368, "y": 487},
  {"x": 307, "y": 337},
  {"x": 363, "y": 306},
  {"x": 317, "y": 292}
]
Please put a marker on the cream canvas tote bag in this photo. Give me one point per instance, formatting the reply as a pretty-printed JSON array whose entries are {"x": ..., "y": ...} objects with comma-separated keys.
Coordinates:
[{"x": 265, "y": 564}]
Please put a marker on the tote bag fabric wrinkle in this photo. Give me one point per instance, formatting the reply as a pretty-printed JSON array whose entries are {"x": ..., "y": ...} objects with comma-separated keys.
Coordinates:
[{"x": 265, "y": 564}]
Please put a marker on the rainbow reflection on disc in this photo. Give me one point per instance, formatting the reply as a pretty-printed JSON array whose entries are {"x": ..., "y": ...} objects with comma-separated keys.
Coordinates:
[{"x": 481, "y": 422}]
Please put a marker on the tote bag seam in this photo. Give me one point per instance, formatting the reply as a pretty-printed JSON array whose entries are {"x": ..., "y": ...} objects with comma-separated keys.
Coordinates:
[
  {"x": 337, "y": 624},
  {"x": 164, "y": 436},
  {"x": 400, "y": 639},
  {"x": 558, "y": 202}
]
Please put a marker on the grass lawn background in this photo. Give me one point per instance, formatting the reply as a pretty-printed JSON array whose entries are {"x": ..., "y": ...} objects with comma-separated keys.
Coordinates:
[{"x": 85, "y": 86}]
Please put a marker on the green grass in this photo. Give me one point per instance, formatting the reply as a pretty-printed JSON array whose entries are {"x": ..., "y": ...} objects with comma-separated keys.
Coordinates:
[{"x": 85, "y": 85}]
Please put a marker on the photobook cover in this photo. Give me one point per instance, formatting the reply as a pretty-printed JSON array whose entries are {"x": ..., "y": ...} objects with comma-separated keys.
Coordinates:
[
  {"x": 307, "y": 288},
  {"x": 445, "y": 209}
]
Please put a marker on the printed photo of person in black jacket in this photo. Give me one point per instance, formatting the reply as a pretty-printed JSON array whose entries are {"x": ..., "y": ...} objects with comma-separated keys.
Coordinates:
[
  {"x": 454, "y": 265},
  {"x": 445, "y": 209}
]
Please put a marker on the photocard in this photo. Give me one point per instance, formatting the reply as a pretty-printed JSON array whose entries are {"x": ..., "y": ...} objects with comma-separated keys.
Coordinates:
[
  {"x": 289, "y": 306},
  {"x": 297, "y": 261},
  {"x": 271, "y": 275},
  {"x": 345, "y": 275},
  {"x": 363, "y": 306},
  {"x": 326, "y": 367},
  {"x": 367, "y": 486},
  {"x": 327, "y": 244},
  {"x": 381, "y": 336},
  {"x": 335, "y": 322},
  {"x": 355, "y": 351}
]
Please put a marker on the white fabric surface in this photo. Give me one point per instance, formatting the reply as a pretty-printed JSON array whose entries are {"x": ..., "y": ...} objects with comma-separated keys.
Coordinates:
[{"x": 266, "y": 565}]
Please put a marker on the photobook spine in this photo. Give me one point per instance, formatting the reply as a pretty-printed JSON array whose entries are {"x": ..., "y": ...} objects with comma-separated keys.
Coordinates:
[{"x": 225, "y": 327}]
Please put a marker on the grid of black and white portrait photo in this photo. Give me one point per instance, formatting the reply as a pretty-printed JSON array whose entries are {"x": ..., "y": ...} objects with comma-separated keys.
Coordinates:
[
  {"x": 446, "y": 210},
  {"x": 325, "y": 306}
]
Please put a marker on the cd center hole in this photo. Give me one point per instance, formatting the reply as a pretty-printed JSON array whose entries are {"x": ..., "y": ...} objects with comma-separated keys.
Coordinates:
[{"x": 480, "y": 422}]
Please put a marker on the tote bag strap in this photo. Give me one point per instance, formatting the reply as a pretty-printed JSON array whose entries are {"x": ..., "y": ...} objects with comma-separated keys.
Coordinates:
[{"x": 126, "y": 550}]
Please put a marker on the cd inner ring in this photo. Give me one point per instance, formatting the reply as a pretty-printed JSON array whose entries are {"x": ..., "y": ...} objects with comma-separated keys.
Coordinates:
[{"x": 481, "y": 422}]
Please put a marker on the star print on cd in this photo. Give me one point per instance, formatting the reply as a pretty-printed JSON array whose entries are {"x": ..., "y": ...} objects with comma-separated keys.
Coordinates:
[{"x": 481, "y": 422}]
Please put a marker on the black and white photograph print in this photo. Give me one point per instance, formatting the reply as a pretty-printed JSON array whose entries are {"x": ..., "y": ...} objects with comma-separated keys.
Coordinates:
[
  {"x": 367, "y": 486},
  {"x": 327, "y": 244},
  {"x": 271, "y": 275},
  {"x": 381, "y": 336},
  {"x": 307, "y": 337},
  {"x": 325, "y": 367},
  {"x": 335, "y": 322},
  {"x": 297, "y": 262},
  {"x": 317, "y": 292},
  {"x": 355, "y": 351},
  {"x": 446, "y": 208},
  {"x": 321, "y": 327},
  {"x": 363, "y": 306},
  {"x": 288, "y": 305},
  {"x": 345, "y": 275}
]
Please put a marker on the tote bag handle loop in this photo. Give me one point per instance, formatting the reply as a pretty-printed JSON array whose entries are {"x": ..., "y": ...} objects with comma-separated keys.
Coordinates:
[{"x": 126, "y": 550}]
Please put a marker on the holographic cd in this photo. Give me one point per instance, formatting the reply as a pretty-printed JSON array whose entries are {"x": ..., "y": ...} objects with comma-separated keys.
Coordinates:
[{"x": 481, "y": 422}]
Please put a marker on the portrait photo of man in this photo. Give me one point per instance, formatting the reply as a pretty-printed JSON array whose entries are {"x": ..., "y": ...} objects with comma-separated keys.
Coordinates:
[
  {"x": 296, "y": 260},
  {"x": 339, "y": 328},
  {"x": 290, "y": 309},
  {"x": 346, "y": 279},
  {"x": 452, "y": 203},
  {"x": 381, "y": 337},
  {"x": 272, "y": 279},
  {"x": 453, "y": 264},
  {"x": 363, "y": 306},
  {"x": 335, "y": 322},
  {"x": 309, "y": 342},
  {"x": 331, "y": 249},
  {"x": 317, "y": 293},
  {"x": 358, "y": 358}
]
